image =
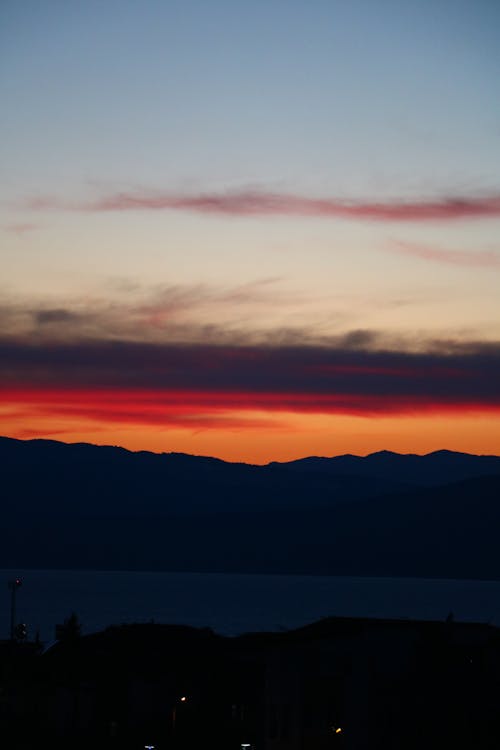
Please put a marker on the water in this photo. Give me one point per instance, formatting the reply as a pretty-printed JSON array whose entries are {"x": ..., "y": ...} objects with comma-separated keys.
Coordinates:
[{"x": 232, "y": 604}]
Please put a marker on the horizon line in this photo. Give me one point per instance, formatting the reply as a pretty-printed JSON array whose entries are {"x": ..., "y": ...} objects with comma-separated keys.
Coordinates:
[{"x": 245, "y": 463}]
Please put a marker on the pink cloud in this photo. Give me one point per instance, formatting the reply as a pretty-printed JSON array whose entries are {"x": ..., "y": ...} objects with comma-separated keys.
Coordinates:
[
  {"x": 476, "y": 259},
  {"x": 20, "y": 228},
  {"x": 253, "y": 203}
]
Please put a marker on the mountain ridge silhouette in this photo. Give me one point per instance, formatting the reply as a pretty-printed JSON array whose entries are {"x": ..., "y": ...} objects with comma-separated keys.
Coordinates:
[{"x": 84, "y": 506}]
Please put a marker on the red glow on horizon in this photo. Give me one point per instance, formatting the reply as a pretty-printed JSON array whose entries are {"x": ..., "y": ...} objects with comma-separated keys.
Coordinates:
[
  {"x": 249, "y": 427},
  {"x": 133, "y": 404}
]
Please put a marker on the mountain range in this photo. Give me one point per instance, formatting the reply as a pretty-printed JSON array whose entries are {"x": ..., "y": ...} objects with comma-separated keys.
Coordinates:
[{"x": 386, "y": 514}]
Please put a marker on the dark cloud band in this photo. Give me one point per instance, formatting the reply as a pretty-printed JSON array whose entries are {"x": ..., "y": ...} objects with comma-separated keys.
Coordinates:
[{"x": 300, "y": 378}]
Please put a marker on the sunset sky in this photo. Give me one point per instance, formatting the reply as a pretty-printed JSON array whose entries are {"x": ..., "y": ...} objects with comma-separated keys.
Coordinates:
[{"x": 253, "y": 230}]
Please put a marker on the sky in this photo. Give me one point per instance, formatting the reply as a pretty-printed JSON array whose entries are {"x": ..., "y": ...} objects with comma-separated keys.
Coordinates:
[{"x": 256, "y": 231}]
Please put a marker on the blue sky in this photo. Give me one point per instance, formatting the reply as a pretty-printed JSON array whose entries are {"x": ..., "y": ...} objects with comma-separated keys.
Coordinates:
[{"x": 328, "y": 96}]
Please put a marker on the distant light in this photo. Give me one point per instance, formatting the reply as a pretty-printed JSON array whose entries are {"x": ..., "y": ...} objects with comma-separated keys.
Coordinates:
[
  {"x": 338, "y": 730},
  {"x": 149, "y": 747},
  {"x": 183, "y": 699}
]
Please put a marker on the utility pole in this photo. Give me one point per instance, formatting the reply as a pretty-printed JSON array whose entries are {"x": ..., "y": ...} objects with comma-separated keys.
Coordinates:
[{"x": 13, "y": 586}]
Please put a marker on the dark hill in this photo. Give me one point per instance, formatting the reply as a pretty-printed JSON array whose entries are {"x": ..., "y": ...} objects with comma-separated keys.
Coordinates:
[
  {"x": 435, "y": 468},
  {"x": 50, "y": 478},
  {"x": 82, "y": 506}
]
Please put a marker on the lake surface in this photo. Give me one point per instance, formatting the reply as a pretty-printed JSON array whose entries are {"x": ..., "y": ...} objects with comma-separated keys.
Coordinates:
[{"x": 233, "y": 604}]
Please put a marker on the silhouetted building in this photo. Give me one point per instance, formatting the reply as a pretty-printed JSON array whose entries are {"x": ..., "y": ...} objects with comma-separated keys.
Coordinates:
[{"x": 346, "y": 683}]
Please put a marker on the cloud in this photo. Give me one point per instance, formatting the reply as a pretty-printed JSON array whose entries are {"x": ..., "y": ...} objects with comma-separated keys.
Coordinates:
[
  {"x": 57, "y": 315},
  {"x": 153, "y": 360},
  {"x": 173, "y": 384},
  {"x": 177, "y": 311},
  {"x": 476, "y": 259},
  {"x": 20, "y": 228},
  {"x": 255, "y": 203},
  {"x": 159, "y": 410}
]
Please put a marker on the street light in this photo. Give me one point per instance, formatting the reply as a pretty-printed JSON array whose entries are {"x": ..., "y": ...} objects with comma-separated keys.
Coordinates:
[{"x": 13, "y": 586}]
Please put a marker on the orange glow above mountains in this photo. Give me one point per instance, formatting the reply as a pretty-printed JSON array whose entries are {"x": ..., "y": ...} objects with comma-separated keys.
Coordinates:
[{"x": 254, "y": 428}]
